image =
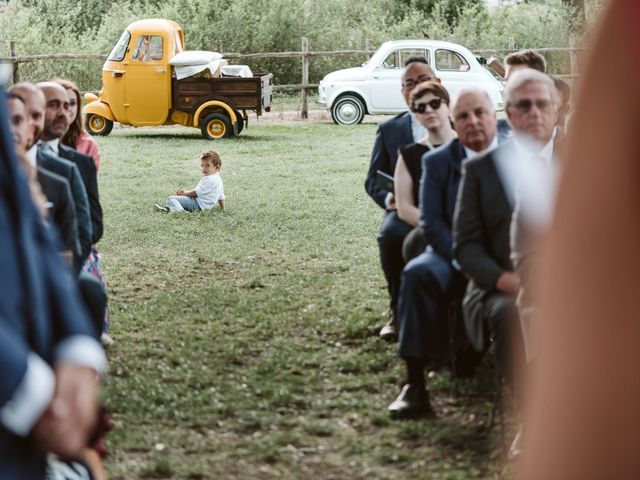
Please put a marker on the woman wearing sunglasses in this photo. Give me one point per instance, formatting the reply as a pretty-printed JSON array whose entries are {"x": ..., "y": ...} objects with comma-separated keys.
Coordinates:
[{"x": 430, "y": 105}]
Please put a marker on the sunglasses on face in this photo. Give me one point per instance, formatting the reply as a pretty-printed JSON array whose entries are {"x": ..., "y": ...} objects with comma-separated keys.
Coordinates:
[
  {"x": 410, "y": 84},
  {"x": 524, "y": 106},
  {"x": 422, "y": 107}
]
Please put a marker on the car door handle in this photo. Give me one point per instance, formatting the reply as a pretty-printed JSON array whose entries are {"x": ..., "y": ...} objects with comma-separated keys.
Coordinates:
[{"x": 117, "y": 73}]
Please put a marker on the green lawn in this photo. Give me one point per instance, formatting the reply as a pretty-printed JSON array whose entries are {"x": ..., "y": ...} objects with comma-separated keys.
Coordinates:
[{"x": 246, "y": 340}]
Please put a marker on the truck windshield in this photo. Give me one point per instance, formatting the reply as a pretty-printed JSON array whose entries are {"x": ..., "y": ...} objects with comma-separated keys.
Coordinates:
[{"x": 118, "y": 52}]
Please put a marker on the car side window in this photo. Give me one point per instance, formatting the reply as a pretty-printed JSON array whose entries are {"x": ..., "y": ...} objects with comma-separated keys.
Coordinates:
[
  {"x": 397, "y": 58},
  {"x": 148, "y": 47},
  {"x": 450, "y": 60},
  {"x": 120, "y": 49}
]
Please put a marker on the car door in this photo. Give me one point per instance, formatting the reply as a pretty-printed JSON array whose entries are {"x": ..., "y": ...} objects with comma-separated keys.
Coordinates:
[
  {"x": 385, "y": 83},
  {"x": 148, "y": 82},
  {"x": 454, "y": 70},
  {"x": 458, "y": 70}
]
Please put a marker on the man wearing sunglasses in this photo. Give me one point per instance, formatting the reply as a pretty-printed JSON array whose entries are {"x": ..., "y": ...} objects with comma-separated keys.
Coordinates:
[
  {"x": 431, "y": 280},
  {"x": 401, "y": 130},
  {"x": 482, "y": 219}
]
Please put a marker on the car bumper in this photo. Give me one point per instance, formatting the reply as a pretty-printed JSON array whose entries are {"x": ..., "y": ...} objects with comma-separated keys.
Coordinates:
[{"x": 321, "y": 99}]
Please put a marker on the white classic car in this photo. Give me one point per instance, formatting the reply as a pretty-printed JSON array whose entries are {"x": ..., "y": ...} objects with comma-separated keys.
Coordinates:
[{"x": 374, "y": 88}]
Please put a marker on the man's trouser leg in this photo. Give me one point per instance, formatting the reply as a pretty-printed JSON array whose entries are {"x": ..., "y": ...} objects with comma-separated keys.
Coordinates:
[
  {"x": 422, "y": 308},
  {"x": 392, "y": 234}
]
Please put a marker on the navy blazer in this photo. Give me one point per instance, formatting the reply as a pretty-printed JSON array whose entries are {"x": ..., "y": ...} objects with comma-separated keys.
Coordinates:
[
  {"x": 68, "y": 170},
  {"x": 89, "y": 175},
  {"x": 39, "y": 302},
  {"x": 390, "y": 136},
  {"x": 62, "y": 212},
  {"x": 441, "y": 173}
]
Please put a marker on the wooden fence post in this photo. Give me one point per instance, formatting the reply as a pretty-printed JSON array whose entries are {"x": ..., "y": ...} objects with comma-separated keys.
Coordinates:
[
  {"x": 304, "y": 108},
  {"x": 573, "y": 56},
  {"x": 14, "y": 66},
  {"x": 368, "y": 44},
  {"x": 512, "y": 43}
]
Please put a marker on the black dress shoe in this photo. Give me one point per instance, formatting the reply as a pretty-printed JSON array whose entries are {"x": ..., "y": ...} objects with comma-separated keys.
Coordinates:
[{"x": 412, "y": 402}]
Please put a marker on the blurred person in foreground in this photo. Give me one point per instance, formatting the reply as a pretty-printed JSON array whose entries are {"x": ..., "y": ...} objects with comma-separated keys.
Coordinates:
[
  {"x": 582, "y": 417},
  {"x": 48, "y": 388}
]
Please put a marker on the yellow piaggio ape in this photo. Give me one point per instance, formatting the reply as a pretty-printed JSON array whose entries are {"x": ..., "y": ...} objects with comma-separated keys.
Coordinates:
[{"x": 146, "y": 81}]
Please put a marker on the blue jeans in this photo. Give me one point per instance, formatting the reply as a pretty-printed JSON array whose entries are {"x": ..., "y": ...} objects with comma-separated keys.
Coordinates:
[{"x": 180, "y": 203}]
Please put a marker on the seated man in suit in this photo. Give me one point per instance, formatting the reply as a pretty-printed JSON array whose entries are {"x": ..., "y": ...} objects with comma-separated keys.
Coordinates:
[
  {"x": 36, "y": 104},
  {"x": 56, "y": 124},
  {"x": 61, "y": 211},
  {"x": 513, "y": 62},
  {"x": 401, "y": 130},
  {"x": 48, "y": 386},
  {"x": 430, "y": 280},
  {"x": 483, "y": 214}
]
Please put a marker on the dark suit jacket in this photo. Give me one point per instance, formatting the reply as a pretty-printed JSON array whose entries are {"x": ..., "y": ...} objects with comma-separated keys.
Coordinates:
[
  {"x": 69, "y": 171},
  {"x": 391, "y": 135},
  {"x": 89, "y": 175},
  {"x": 482, "y": 220},
  {"x": 481, "y": 227},
  {"x": 62, "y": 213},
  {"x": 441, "y": 173},
  {"x": 39, "y": 304}
]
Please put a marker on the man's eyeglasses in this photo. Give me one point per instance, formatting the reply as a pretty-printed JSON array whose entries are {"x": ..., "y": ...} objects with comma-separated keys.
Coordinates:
[
  {"x": 422, "y": 107},
  {"x": 410, "y": 84},
  {"x": 524, "y": 106}
]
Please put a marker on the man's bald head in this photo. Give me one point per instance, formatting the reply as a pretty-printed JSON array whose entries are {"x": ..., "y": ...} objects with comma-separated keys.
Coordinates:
[
  {"x": 474, "y": 118},
  {"x": 56, "y": 118},
  {"x": 35, "y": 102}
]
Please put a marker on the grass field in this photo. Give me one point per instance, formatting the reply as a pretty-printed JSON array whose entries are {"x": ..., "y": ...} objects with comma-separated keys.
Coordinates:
[{"x": 246, "y": 340}]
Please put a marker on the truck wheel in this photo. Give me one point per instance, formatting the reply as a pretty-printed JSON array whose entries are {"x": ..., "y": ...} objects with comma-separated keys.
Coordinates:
[
  {"x": 97, "y": 125},
  {"x": 215, "y": 126},
  {"x": 240, "y": 120},
  {"x": 347, "y": 110}
]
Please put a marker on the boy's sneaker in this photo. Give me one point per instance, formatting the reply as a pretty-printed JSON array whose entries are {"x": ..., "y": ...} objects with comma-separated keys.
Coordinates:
[
  {"x": 160, "y": 208},
  {"x": 106, "y": 340}
]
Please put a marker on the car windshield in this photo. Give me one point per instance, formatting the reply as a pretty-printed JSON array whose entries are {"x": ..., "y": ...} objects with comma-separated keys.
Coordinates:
[{"x": 118, "y": 52}]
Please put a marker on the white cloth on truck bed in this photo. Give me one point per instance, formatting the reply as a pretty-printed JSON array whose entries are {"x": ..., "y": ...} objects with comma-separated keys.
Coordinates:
[
  {"x": 236, "y": 71},
  {"x": 194, "y": 57}
]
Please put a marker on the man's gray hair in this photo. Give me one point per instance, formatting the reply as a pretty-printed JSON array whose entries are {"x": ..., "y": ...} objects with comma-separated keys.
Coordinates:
[
  {"x": 468, "y": 91},
  {"x": 525, "y": 76}
]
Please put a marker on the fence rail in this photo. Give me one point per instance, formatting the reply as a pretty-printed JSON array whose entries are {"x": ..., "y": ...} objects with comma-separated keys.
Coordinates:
[{"x": 304, "y": 54}]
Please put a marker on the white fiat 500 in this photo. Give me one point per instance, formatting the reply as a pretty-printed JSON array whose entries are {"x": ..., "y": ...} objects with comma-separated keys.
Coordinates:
[{"x": 374, "y": 88}]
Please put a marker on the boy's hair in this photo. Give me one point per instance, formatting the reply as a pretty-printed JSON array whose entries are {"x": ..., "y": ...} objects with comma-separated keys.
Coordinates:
[
  {"x": 213, "y": 157},
  {"x": 527, "y": 57}
]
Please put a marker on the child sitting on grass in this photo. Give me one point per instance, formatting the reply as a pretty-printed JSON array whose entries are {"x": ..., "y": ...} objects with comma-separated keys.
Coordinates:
[{"x": 207, "y": 193}]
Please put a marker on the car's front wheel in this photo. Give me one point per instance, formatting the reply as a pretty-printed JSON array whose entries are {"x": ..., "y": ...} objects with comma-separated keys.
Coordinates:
[{"x": 347, "y": 110}]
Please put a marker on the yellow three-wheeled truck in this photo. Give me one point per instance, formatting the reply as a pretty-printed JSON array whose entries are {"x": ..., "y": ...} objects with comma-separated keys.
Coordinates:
[{"x": 140, "y": 87}]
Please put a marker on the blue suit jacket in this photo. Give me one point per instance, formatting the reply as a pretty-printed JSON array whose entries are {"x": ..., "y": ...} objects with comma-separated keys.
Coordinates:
[
  {"x": 68, "y": 170},
  {"x": 441, "y": 173},
  {"x": 391, "y": 135},
  {"x": 89, "y": 175},
  {"x": 39, "y": 303}
]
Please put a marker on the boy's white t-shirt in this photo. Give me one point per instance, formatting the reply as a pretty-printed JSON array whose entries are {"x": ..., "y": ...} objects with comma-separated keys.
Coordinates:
[{"x": 209, "y": 190}]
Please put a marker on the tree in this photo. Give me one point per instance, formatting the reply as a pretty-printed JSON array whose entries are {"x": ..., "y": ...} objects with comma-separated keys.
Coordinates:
[{"x": 580, "y": 19}]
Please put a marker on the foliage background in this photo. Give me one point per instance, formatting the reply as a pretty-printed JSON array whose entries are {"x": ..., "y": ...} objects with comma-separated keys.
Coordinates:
[{"x": 250, "y": 26}]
